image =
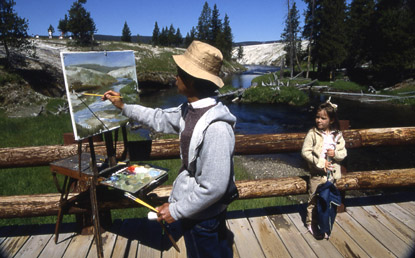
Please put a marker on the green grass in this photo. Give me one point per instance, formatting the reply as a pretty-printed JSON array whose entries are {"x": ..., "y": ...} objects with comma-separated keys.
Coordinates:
[
  {"x": 285, "y": 95},
  {"x": 346, "y": 86},
  {"x": 48, "y": 130}
]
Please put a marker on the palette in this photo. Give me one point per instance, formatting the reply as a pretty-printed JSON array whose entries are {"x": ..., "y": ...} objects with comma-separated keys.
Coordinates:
[{"x": 135, "y": 178}]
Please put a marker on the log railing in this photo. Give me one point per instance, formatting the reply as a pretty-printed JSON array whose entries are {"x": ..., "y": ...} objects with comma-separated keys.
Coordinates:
[{"x": 48, "y": 204}]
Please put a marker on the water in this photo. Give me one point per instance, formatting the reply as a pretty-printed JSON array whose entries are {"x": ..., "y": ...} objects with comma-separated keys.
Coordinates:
[{"x": 280, "y": 118}]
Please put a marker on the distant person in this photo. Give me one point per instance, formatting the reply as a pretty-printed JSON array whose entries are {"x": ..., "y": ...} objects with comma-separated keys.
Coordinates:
[
  {"x": 205, "y": 184},
  {"x": 323, "y": 149}
]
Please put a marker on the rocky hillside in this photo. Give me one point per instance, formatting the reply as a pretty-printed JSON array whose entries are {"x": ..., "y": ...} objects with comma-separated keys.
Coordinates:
[{"x": 263, "y": 54}]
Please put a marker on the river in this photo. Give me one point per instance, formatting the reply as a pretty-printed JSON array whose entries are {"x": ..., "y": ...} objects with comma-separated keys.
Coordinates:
[{"x": 280, "y": 118}]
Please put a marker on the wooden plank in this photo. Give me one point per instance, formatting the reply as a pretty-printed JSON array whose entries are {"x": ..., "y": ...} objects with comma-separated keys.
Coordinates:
[
  {"x": 132, "y": 251},
  {"x": 269, "y": 240},
  {"x": 5, "y": 232},
  {"x": 79, "y": 246},
  {"x": 149, "y": 235},
  {"x": 380, "y": 232},
  {"x": 397, "y": 227},
  {"x": 172, "y": 253},
  {"x": 123, "y": 244},
  {"x": 399, "y": 213},
  {"x": 345, "y": 244},
  {"x": 234, "y": 249},
  {"x": 36, "y": 242},
  {"x": 363, "y": 238},
  {"x": 108, "y": 241},
  {"x": 291, "y": 237},
  {"x": 408, "y": 206},
  {"x": 12, "y": 244},
  {"x": 244, "y": 237},
  {"x": 321, "y": 247},
  {"x": 65, "y": 237}
]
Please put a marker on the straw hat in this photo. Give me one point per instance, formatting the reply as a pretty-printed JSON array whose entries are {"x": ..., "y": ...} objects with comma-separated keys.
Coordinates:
[{"x": 202, "y": 61}]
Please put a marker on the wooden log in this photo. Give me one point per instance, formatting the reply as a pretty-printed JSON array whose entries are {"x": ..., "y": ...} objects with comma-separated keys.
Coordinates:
[
  {"x": 169, "y": 148},
  {"x": 48, "y": 204}
]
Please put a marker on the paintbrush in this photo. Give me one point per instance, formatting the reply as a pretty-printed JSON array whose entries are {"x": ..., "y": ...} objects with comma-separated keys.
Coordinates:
[
  {"x": 132, "y": 197},
  {"x": 98, "y": 95}
]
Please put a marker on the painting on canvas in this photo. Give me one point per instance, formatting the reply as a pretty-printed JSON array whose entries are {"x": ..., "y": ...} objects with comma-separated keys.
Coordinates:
[{"x": 90, "y": 74}]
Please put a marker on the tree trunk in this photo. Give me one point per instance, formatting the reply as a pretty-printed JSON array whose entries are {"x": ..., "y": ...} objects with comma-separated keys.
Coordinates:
[
  {"x": 168, "y": 149},
  {"x": 48, "y": 204}
]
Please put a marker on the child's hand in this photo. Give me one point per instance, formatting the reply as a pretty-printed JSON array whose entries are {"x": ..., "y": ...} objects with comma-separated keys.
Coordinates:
[
  {"x": 328, "y": 166},
  {"x": 330, "y": 153}
]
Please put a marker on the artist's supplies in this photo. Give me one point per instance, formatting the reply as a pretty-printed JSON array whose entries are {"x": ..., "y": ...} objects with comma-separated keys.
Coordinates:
[
  {"x": 132, "y": 197},
  {"x": 97, "y": 95},
  {"x": 151, "y": 215}
]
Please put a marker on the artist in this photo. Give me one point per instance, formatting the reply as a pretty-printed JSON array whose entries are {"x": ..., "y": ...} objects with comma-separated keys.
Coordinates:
[{"x": 205, "y": 183}]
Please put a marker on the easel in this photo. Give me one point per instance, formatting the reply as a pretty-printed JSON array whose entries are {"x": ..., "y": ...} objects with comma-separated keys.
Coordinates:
[{"x": 77, "y": 170}]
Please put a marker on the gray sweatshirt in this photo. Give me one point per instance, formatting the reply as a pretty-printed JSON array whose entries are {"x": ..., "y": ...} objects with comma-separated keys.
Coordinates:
[{"x": 196, "y": 191}]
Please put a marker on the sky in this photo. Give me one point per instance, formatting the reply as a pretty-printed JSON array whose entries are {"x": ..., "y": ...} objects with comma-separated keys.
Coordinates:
[{"x": 261, "y": 20}]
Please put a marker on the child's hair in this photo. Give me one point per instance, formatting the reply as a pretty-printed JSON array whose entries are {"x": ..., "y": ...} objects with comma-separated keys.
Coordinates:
[
  {"x": 204, "y": 88},
  {"x": 331, "y": 113}
]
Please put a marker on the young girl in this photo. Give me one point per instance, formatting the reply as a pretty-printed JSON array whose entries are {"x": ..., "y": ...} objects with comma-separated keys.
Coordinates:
[{"x": 323, "y": 149}]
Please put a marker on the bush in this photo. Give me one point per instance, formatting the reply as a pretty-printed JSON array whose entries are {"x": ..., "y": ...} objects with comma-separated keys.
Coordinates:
[{"x": 285, "y": 95}]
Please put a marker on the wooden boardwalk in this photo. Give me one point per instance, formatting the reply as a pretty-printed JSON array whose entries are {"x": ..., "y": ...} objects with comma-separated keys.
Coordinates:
[{"x": 371, "y": 227}]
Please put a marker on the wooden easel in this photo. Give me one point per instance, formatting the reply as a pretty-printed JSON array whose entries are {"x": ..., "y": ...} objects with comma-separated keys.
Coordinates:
[{"x": 73, "y": 168}]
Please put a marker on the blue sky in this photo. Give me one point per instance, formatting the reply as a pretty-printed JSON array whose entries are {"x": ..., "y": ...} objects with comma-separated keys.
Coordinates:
[{"x": 261, "y": 20}]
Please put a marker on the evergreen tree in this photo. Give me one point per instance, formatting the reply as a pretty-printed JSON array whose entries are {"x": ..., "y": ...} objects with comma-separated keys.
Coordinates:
[
  {"x": 227, "y": 39},
  {"x": 63, "y": 25},
  {"x": 393, "y": 52},
  {"x": 204, "y": 23},
  {"x": 13, "y": 29},
  {"x": 329, "y": 40},
  {"x": 359, "y": 32},
  {"x": 163, "y": 39},
  {"x": 240, "y": 52},
  {"x": 290, "y": 35},
  {"x": 51, "y": 29},
  {"x": 80, "y": 23},
  {"x": 171, "y": 36},
  {"x": 190, "y": 37},
  {"x": 156, "y": 34},
  {"x": 215, "y": 25},
  {"x": 178, "y": 38},
  {"x": 126, "y": 33}
]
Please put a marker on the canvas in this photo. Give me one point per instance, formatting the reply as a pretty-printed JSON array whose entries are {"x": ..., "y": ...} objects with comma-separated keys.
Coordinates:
[{"x": 96, "y": 73}]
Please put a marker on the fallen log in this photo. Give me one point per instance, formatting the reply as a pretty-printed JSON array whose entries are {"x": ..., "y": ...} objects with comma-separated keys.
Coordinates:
[
  {"x": 169, "y": 148},
  {"x": 48, "y": 204}
]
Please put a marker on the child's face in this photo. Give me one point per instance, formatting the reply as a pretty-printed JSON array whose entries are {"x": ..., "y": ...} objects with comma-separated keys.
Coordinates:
[{"x": 322, "y": 120}]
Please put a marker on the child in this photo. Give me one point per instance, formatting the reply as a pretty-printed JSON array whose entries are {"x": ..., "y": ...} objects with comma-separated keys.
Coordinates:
[{"x": 323, "y": 149}]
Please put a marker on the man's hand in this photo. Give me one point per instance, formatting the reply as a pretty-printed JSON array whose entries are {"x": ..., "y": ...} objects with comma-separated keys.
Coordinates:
[
  {"x": 115, "y": 98},
  {"x": 164, "y": 213}
]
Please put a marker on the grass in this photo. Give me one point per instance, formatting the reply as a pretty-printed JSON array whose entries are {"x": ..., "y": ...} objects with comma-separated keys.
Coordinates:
[
  {"x": 341, "y": 85},
  {"x": 266, "y": 94},
  {"x": 48, "y": 130}
]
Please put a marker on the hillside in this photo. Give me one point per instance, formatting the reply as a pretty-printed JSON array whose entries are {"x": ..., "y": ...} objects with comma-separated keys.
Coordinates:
[{"x": 263, "y": 54}]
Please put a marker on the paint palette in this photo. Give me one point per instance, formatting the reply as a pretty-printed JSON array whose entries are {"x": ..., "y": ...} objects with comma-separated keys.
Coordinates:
[{"x": 135, "y": 178}]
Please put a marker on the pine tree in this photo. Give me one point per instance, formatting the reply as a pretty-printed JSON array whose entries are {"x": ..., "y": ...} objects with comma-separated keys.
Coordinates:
[
  {"x": 215, "y": 25},
  {"x": 156, "y": 34},
  {"x": 190, "y": 37},
  {"x": 290, "y": 35},
  {"x": 63, "y": 25},
  {"x": 80, "y": 23},
  {"x": 171, "y": 36},
  {"x": 13, "y": 29},
  {"x": 163, "y": 39},
  {"x": 359, "y": 32},
  {"x": 329, "y": 42},
  {"x": 227, "y": 38},
  {"x": 178, "y": 38},
  {"x": 204, "y": 23},
  {"x": 393, "y": 52},
  {"x": 126, "y": 33},
  {"x": 51, "y": 29},
  {"x": 240, "y": 52}
]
